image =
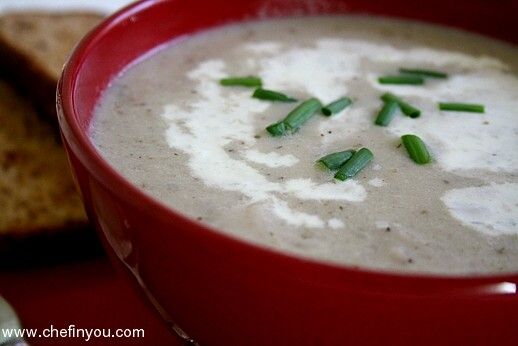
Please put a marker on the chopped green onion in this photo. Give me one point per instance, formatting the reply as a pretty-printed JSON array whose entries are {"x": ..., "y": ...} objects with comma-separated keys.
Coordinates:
[
  {"x": 336, "y": 160},
  {"x": 356, "y": 163},
  {"x": 249, "y": 81},
  {"x": 336, "y": 106},
  {"x": 296, "y": 118},
  {"x": 403, "y": 79},
  {"x": 387, "y": 113},
  {"x": 271, "y": 95},
  {"x": 424, "y": 73},
  {"x": 405, "y": 107},
  {"x": 461, "y": 107},
  {"x": 277, "y": 129},
  {"x": 416, "y": 149}
]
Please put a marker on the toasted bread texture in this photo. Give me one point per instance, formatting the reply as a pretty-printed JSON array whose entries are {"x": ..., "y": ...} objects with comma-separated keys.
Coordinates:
[
  {"x": 37, "y": 192},
  {"x": 34, "y": 48}
]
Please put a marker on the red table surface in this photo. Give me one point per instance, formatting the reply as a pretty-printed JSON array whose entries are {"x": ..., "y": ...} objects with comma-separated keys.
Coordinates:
[{"x": 88, "y": 294}]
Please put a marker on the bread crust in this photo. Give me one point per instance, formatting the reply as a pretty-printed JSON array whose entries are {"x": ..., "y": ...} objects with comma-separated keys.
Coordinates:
[
  {"x": 42, "y": 218},
  {"x": 41, "y": 207},
  {"x": 33, "y": 49}
]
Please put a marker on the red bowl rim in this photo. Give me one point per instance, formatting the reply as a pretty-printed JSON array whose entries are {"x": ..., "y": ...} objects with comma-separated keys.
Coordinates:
[{"x": 114, "y": 181}]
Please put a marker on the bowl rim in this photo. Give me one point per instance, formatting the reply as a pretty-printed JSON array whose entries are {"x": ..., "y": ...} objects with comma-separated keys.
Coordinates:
[{"x": 79, "y": 142}]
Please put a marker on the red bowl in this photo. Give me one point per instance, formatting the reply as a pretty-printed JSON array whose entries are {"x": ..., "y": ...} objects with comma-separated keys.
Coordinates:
[{"x": 223, "y": 291}]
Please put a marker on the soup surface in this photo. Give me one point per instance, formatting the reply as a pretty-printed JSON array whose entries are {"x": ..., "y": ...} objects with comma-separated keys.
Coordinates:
[{"x": 169, "y": 127}]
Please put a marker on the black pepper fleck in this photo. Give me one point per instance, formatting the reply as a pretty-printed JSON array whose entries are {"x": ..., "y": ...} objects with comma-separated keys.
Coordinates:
[{"x": 387, "y": 229}]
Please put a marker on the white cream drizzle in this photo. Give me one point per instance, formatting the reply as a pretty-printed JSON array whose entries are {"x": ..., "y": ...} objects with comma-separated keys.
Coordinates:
[
  {"x": 314, "y": 70},
  {"x": 216, "y": 120},
  {"x": 459, "y": 141},
  {"x": 294, "y": 217},
  {"x": 491, "y": 209},
  {"x": 271, "y": 159},
  {"x": 464, "y": 141},
  {"x": 419, "y": 55},
  {"x": 335, "y": 223}
]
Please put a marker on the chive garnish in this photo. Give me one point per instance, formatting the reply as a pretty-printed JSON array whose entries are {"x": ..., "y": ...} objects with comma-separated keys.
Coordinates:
[
  {"x": 271, "y": 95},
  {"x": 424, "y": 73},
  {"x": 335, "y": 160},
  {"x": 403, "y": 79},
  {"x": 277, "y": 129},
  {"x": 461, "y": 107},
  {"x": 405, "y": 107},
  {"x": 249, "y": 81},
  {"x": 356, "y": 163},
  {"x": 336, "y": 106},
  {"x": 416, "y": 149},
  {"x": 296, "y": 118},
  {"x": 387, "y": 113}
]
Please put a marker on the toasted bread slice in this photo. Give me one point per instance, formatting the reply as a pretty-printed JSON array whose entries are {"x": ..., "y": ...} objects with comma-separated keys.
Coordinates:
[
  {"x": 34, "y": 48},
  {"x": 37, "y": 192}
]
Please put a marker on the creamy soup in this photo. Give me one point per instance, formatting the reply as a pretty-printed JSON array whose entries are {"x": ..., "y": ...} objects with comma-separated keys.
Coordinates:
[{"x": 170, "y": 127}]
